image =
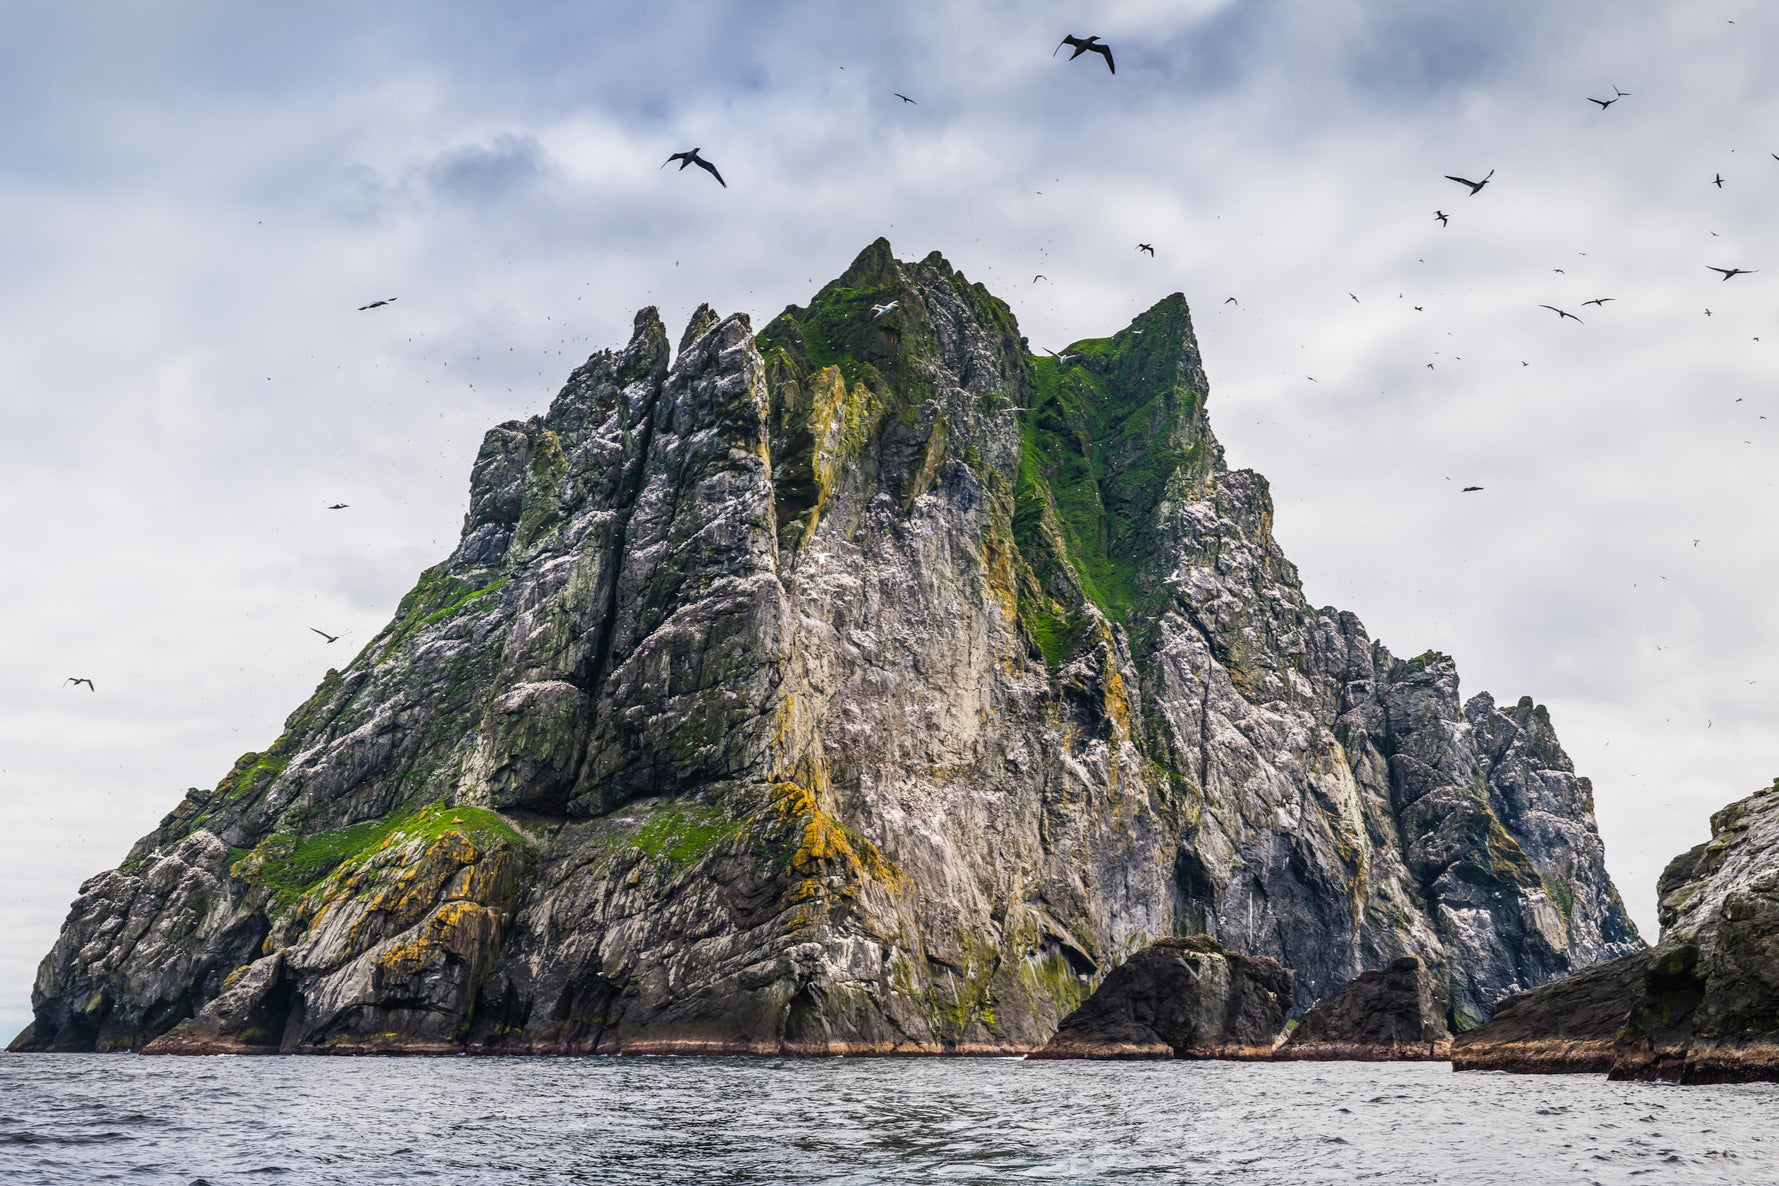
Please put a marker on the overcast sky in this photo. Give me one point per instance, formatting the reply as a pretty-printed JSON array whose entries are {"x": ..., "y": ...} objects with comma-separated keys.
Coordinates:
[{"x": 196, "y": 196}]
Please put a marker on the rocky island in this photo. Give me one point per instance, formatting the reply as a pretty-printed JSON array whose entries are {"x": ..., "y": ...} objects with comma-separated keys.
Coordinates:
[{"x": 864, "y": 684}]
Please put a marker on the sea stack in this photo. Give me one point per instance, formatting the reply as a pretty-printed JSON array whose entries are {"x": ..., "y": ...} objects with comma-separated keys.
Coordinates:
[{"x": 870, "y": 683}]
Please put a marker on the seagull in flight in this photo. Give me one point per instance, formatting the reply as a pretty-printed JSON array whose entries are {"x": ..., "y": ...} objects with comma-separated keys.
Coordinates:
[
  {"x": 692, "y": 158},
  {"x": 326, "y": 635},
  {"x": 1470, "y": 489},
  {"x": 1475, "y": 186},
  {"x": 1444, "y": 218},
  {"x": 1146, "y": 247},
  {"x": 1605, "y": 103},
  {"x": 1086, "y": 45},
  {"x": 1600, "y": 301},
  {"x": 879, "y": 310},
  {"x": 1562, "y": 314},
  {"x": 78, "y": 680},
  {"x": 1728, "y": 272},
  {"x": 904, "y": 98},
  {"x": 377, "y": 304},
  {"x": 340, "y": 506},
  {"x": 1718, "y": 181},
  {"x": 1038, "y": 277}
]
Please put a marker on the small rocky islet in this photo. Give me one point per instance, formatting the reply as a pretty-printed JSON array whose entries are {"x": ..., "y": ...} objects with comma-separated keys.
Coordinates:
[{"x": 876, "y": 684}]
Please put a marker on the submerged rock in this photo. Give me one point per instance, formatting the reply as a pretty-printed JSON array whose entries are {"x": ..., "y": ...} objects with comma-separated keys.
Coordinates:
[
  {"x": 1180, "y": 998},
  {"x": 1568, "y": 1026},
  {"x": 1389, "y": 1014},
  {"x": 864, "y": 684}
]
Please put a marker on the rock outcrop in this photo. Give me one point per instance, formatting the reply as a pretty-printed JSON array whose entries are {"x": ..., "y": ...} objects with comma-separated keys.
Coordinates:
[
  {"x": 1396, "y": 1013},
  {"x": 1707, "y": 1010},
  {"x": 866, "y": 684},
  {"x": 1180, "y": 998},
  {"x": 1568, "y": 1026}
]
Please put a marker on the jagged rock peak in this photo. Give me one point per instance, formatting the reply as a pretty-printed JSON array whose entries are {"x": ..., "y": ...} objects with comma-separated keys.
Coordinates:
[{"x": 869, "y": 683}]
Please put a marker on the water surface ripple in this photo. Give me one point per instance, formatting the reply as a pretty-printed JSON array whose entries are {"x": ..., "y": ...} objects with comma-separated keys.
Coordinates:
[{"x": 226, "y": 1121}]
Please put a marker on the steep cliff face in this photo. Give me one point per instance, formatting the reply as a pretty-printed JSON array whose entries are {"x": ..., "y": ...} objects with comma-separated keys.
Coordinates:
[
  {"x": 868, "y": 683},
  {"x": 1707, "y": 1009}
]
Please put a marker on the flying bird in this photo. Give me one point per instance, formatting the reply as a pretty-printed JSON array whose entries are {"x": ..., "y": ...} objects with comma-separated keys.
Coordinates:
[
  {"x": 376, "y": 304},
  {"x": 1475, "y": 186},
  {"x": 1600, "y": 301},
  {"x": 78, "y": 680},
  {"x": 1086, "y": 45},
  {"x": 1470, "y": 490},
  {"x": 1604, "y": 103},
  {"x": 339, "y": 506},
  {"x": 1444, "y": 218},
  {"x": 326, "y": 635},
  {"x": 1146, "y": 247},
  {"x": 879, "y": 310},
  {"x": 904, "y": 98},
  {"x": 1231, "y": 301},
  {"x": 1561, "y": 314},
  {"x": 1718, "y": 181},
  {"x": 1355, "y": 299},
  {"x": 1728, "y": 272},
  {"x": 692, "y": 158},
  {"x": 1038, "y": 277}
]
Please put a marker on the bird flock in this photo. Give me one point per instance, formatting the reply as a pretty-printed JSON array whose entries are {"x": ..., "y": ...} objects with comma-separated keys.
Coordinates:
[{"x": 1094, "y": 45}]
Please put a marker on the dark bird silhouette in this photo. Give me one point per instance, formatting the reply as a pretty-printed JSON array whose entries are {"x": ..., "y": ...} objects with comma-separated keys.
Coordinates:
[
  {"x": 904, "y": 98},
  {"x": 339, "y": 506},
  {"x": 1718, "y": 181},
  {"x": 376, "y": 304},
  {"x": 1146, "y": 247},
  {"x": 1604, "y": 103},
  {"x": 1618, "y": 94},
  {"x": 1444, "y": 218},
  {"x": 326, "y": 635},
  {"x": 1231, "y": 301},
  {"x": 1355, "y": 299},
  {"x": 1086, "y": 45},
  {"x": 1470, "y": 490},
  {"x": 1559, "y": 271},
  {"x": 692, "y": 158},
  {"x": 78, "y": 680},
  {"x": 1728, "y": 272},
  {"x": 1475, "y": 186},
  {"x": 1708, "y": 313},
  {"x": 1601, "y": 301},
  {"x": 1038, "y": 277},
  {"x": 1419, "y": 308},
  {"x": 1561, "y": 314}
]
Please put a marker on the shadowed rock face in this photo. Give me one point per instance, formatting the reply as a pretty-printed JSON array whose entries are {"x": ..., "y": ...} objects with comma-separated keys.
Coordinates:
[
  {"x": 1180, "y": 998},
  {"x": 1393, "y": 1013},
  {"x": 1568, "y": 1026},
  {"x": 1707, "y": 1010},
  {"x": 865, "y": 684}
]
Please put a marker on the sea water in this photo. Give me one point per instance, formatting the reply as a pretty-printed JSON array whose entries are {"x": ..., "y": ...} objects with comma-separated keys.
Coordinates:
[{"x": 226, "y": 1121}]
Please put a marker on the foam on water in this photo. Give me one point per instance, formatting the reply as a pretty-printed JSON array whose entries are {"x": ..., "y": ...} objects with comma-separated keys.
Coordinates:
[{"x": 90, "y": 1118}]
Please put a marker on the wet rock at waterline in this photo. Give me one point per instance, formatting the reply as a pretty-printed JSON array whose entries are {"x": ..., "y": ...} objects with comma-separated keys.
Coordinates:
[
  {"x": 1180, "y": 998},
  {"x": 1391, "y": 1013}
]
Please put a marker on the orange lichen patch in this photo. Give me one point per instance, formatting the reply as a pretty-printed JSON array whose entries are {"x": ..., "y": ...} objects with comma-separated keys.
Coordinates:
[
  {"x": 825, "y": 844},
  {"x": 1002, "y": 578},
  {"x": 459, "y": 929}
]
